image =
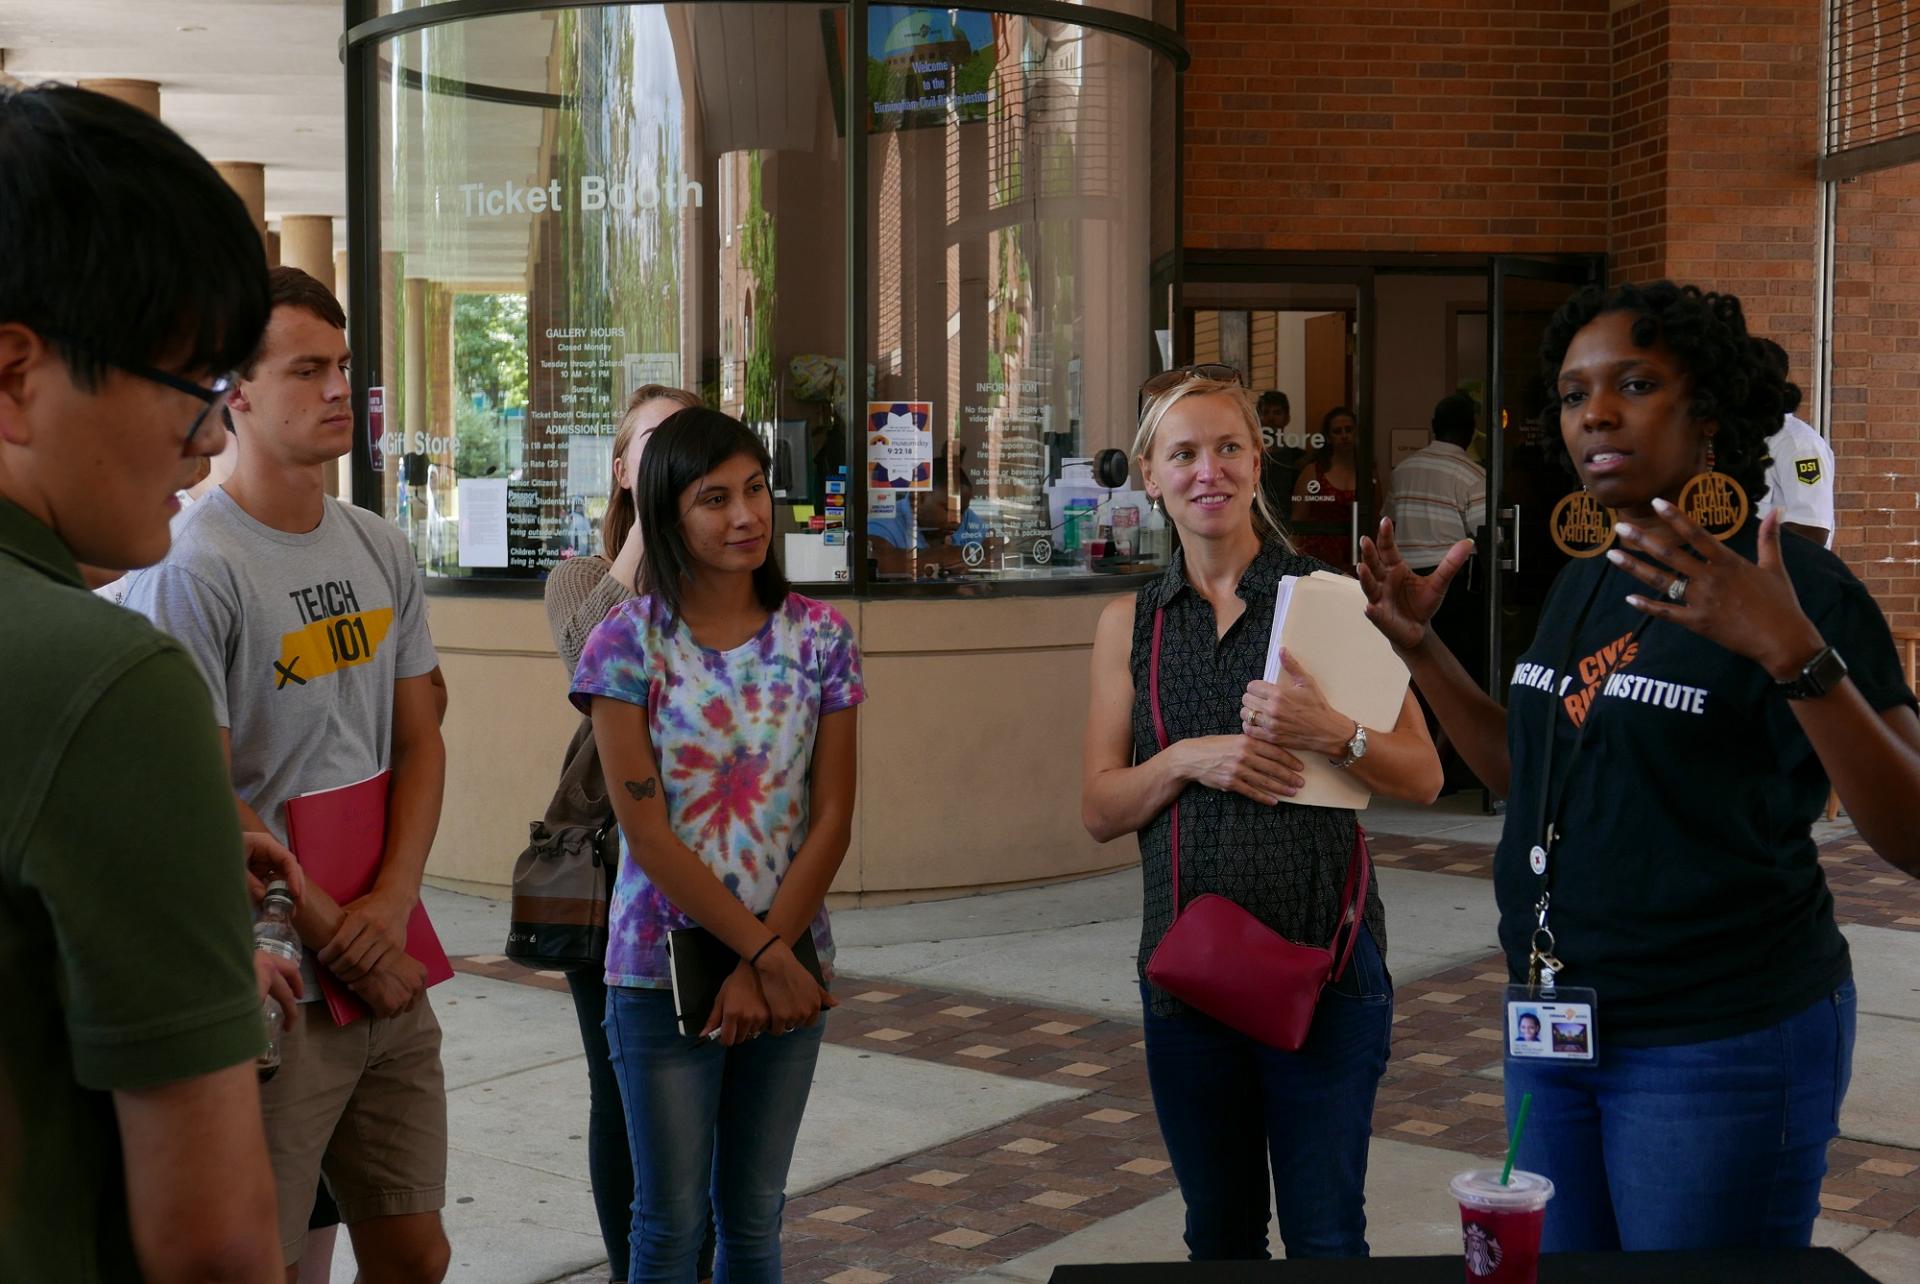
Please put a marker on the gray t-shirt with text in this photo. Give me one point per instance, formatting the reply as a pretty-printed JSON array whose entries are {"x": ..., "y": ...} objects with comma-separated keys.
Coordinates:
[{"x": 301, "y": 638}]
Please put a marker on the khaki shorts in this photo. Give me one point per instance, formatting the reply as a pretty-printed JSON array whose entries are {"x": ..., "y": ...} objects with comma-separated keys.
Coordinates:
[{"x": 365, "y": 1103}]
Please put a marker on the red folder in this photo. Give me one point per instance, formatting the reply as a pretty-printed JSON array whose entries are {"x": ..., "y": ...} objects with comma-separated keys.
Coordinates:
[{"x": 339, "y": 836}]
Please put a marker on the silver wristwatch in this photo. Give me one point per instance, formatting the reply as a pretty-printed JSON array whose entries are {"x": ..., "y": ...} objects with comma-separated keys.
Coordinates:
[{"x": 1356, "y": 748}]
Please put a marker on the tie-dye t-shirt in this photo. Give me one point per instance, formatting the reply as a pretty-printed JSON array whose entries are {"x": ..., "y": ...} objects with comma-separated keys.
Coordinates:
[{"x": 734, "y": 734}]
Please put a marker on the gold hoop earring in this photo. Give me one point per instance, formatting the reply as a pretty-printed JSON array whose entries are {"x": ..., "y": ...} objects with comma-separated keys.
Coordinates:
[
  {"x": 1581, "y": 525},
  {"x": 1715, "y": 502}
]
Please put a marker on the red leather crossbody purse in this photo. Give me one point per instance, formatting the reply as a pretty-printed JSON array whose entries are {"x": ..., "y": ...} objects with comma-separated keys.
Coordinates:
[{"x": 1221, "y": 960}]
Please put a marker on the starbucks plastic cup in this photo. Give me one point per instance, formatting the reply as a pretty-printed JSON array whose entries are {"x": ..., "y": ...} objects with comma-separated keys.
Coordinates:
[{"x": 1500, "y": 1225}]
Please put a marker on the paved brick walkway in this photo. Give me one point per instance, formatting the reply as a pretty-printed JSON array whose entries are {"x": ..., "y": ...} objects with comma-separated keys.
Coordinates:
[{"x": 959, "y": 1208}]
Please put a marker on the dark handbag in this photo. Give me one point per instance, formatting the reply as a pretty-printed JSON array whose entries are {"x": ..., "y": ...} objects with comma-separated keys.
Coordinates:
[
  {"x": 1221, "y": 960},
  {"x": 564, "y": 879}
]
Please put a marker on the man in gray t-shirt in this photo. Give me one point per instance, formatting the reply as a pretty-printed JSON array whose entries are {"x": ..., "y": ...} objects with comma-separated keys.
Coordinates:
[{"x": 307, "y": 617}]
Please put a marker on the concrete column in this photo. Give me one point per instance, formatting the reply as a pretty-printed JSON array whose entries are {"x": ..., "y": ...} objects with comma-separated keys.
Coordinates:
[
  {"x": 144, "y": 94},
  {"x": 306, "y": 242},
  {"x": 341, "y": 278},
  {"x": 249, "y": 179}
]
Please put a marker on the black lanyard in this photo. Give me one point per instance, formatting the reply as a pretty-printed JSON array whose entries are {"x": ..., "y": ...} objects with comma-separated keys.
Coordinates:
[{"x": 1553, "y": 795}]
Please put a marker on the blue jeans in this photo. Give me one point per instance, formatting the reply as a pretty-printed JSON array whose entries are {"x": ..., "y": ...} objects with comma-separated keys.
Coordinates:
[
  {"x": 1230, "y": 1105},
  {"x": 704, "y": 1122},
  {"x": 1719, "y": 1144},
  {"x": 609, "y": 1165}
]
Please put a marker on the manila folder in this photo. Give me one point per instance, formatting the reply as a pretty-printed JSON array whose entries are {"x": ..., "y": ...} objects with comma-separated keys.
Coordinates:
[{"x": 1321, "y": 620}]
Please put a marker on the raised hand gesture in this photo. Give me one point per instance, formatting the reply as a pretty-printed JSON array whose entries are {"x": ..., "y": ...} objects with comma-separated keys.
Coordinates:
[
  {"x": 1700, "y": 584},
  {"x": 1400, "y": 601}
]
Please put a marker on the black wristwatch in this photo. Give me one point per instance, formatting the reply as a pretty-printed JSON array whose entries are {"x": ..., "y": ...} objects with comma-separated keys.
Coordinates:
[{"x": 1818, "y": 676}]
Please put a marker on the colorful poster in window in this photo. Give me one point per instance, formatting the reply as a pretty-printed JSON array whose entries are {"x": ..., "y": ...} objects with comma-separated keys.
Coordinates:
[
  {"x": 900, "y": 445},
  {"x": 928, "y": 66},
  {"x": 377, "y": 429},
  {"x": 924, "y": 67}
]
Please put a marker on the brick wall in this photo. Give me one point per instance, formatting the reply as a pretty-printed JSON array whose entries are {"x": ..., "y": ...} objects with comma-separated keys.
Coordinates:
[
  {"x": 1638, "y": 240},
  {"x": 1743, "y": 131},
  {"x": 1876, "y": 386},
  {"x": 1677, "y": 135},
  {"x": 1437, "y": 126}
]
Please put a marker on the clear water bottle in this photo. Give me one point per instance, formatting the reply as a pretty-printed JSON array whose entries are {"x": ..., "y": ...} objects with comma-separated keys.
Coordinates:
[
  {"x": 1155, "y": 544},
  {"x": 273, "y": 934}
]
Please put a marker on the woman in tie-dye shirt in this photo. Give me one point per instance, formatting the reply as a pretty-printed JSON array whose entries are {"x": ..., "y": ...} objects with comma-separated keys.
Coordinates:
[{"x": 723, "y": 706}]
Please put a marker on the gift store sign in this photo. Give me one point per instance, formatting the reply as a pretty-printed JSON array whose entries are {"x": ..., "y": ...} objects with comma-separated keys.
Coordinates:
[{"x": 589, "y": 193}]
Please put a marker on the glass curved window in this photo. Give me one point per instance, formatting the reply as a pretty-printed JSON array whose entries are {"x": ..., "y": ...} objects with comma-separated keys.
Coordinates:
[
  {"x": 1009, "y": 227},
  {"x": 577, "y": 202}
]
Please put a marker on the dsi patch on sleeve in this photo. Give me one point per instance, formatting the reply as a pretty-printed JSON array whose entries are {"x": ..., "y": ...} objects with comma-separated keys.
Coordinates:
[{"x": 1807, "y": 470}]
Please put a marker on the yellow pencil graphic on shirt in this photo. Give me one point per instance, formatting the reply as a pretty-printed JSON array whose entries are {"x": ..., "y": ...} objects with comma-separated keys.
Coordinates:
[{"x": 329, "y": 645}]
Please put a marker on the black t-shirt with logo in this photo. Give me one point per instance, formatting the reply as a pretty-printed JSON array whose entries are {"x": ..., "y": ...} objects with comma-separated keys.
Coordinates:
[{"x": 1687, "y": 890}]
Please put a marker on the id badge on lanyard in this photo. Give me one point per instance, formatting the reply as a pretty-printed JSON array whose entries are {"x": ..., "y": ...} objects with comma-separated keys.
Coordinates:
[{"x": 1545, "y": 1020}]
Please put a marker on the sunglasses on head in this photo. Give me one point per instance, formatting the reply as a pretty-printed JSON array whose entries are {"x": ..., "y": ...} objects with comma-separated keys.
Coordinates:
[{"x": 1169, "y": 379}]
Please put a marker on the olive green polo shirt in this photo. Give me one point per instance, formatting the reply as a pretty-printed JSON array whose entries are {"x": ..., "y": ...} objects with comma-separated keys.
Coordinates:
[{"x": 125, "y": 951}]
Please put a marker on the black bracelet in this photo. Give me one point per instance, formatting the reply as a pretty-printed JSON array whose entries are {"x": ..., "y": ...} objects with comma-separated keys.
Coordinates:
[{"x": 771, "y": 942}]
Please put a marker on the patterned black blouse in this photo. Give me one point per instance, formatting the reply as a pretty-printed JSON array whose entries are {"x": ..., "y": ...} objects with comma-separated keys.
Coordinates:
[{"x": 1285, "y": 864}]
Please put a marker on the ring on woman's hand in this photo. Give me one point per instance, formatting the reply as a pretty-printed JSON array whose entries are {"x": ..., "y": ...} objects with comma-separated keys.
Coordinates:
[{"x": 1677, "y": 591}]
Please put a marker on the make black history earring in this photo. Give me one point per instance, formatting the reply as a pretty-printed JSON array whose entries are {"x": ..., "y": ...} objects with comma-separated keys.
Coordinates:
[
  {"x": 1715, "y": 502},
  {"x": 1581, "y": 525}
]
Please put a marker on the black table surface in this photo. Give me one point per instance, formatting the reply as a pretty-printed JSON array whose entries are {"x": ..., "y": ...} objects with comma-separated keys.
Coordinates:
[{"x": 1726, "y": 1266}]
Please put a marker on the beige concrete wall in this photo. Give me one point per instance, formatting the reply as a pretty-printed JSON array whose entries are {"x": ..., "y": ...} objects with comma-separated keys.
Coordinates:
[
  {"x": 507, "y": 724},
  {"x": 969, "y": 743}
]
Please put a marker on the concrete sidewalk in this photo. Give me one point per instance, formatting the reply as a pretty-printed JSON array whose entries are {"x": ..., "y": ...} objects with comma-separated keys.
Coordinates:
[{"x": 520, "y": 1211}]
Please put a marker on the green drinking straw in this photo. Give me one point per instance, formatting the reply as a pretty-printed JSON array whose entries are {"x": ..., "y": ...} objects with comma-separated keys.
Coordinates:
[{"x": 1513, "y": 1142}]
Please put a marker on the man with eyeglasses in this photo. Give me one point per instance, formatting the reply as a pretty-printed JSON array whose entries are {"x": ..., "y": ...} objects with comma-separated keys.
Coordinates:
[
  {"x": 131, "y": 1145},
  {"x": 308, "y": 619}
]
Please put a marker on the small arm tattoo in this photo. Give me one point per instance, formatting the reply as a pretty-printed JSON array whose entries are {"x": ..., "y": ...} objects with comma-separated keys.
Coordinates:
[{"x": 641, "y": 789}]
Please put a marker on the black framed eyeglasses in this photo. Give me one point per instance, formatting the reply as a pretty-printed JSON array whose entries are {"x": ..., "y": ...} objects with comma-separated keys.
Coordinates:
[
  {"x": 215, "y": 397},
  {"x": 1166, "y": 379}
]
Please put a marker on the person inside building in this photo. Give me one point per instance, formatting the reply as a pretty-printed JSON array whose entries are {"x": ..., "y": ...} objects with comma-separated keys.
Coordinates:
[
  {"x": 307, "y": 619},
  {"x": 1281, "y": 452},
  {"x": 1327, "y": 491},
  {"x": 1439, "y": 499},
  {"x": 131, "y": 1145},
  {"x": 1669, "y": 739},
  {"x": 1439, "y": 494},
  {"x": 1800, "y": 478},
  {"x": 1182, "y": 725},
  {"x": 724, "y": 709},
  {"x": 580, "y": 593}
]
